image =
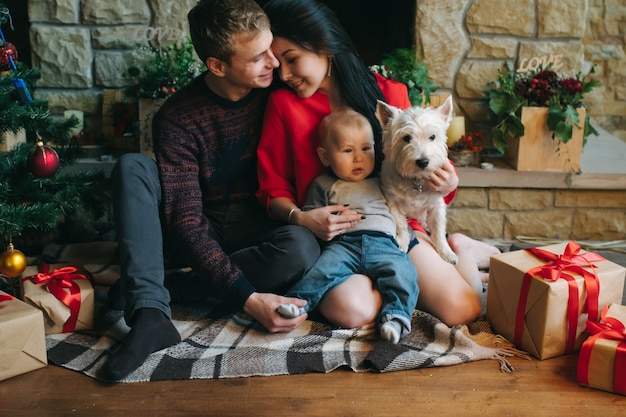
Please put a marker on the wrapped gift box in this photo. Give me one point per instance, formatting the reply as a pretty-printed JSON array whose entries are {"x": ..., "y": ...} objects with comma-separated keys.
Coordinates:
[
  {"x": 64, "y": 294},
  {"x": 602, "y": 358},
  {"x": 552, "y": 313},
  {"x": 23, "y": 342}
]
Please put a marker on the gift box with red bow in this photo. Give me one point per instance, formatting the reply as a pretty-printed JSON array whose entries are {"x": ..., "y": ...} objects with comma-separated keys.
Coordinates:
[
  {"x": 64, "y": 294},
  {"x": 23, "y": 342},
  {"x": 541, "y": 298},
  {"x": 602, "y": 357}
]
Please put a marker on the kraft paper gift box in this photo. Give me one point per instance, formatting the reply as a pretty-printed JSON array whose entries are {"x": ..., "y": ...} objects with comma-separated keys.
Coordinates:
[
  {"x": 602, "y": 357},
  {"x": 64, "y": 294},
  {"x": 546, "y": 317},
  {"x": 23, "y": 342}
]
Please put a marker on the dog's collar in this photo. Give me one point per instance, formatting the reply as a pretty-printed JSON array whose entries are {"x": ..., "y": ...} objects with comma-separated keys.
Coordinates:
[{"x": 417, "y": 185}]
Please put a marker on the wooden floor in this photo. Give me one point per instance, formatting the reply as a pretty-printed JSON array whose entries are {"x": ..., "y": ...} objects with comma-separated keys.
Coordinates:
[{"x": 535, "y": 388}]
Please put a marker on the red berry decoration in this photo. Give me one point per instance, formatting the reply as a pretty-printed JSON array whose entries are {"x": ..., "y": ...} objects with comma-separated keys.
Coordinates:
[
  {"x": 7, "y": 50},
  {"x": 43, "y": 161}
]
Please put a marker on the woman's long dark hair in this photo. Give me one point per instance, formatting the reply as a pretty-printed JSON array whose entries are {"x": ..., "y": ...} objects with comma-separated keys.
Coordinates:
[{"x": 314, "y": 27}]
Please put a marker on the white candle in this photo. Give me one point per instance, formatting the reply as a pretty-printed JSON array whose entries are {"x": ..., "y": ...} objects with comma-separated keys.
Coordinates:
[
  {"x": 80, "y": 116},
  {"x": 456, "y": 129}
]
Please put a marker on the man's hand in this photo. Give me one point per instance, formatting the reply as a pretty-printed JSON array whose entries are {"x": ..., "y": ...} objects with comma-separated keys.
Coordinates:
[{"x": 263, "y": 307}]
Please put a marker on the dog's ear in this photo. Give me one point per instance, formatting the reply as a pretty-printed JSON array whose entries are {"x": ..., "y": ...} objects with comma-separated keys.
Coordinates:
[
  {"x": 446, "y": 110},
  {"x": 385, "y": 112}
]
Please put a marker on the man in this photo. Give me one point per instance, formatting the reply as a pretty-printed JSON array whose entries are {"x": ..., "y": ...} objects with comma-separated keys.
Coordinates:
[{"x": 201, "y": 191}]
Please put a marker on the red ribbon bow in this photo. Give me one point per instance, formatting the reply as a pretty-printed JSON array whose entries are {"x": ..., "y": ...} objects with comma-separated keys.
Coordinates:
[
  {"x": 58, "y": 282},
  {"x": 558, "y": 266},
  {"x": 612, "y": 329}
]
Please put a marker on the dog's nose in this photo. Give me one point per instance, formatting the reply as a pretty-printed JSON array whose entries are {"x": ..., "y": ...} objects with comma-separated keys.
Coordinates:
[{"x": 422, "y": 163}]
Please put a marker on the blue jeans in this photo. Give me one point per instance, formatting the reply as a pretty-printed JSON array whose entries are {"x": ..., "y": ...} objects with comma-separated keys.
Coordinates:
[
  {"x": 272, "y": 255},
  {"x": 373, "y": 254}
]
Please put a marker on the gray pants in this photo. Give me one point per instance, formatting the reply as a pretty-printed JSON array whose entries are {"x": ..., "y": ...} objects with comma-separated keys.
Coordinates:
[{"x": 273, "y": 256}]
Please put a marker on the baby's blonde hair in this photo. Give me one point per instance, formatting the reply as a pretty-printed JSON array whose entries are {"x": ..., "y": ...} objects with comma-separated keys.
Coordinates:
[{"x": 342, "y": 117}]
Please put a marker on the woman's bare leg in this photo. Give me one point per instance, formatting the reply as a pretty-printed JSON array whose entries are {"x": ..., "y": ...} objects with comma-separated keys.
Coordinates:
[
  {"x": 451, "y": 293},
  {"x": 473, "y": 256},
  {"x": 352, "y": 304},
  {"x": 444, "y": 292}
]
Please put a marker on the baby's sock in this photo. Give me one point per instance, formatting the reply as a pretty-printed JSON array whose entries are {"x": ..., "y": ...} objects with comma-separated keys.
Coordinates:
[
  {"x": 391, "y": 330},
  {"x": 151, "y": 331},
  {"x": 290, "y": 311}
]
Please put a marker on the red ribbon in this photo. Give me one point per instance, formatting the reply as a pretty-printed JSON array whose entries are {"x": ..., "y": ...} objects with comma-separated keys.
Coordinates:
[
  {"x": 611, "y": 329},
  {"x": 58, "y": 282},
  {"x": 558, "y": 266},
  {"x": 6, "y": 297}
]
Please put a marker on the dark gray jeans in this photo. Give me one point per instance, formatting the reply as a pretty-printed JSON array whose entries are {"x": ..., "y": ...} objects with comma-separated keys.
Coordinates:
[{"x": 272, "y": 255}]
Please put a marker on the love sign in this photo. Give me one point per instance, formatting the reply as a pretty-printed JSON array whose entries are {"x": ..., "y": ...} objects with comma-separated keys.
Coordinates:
[{"x": 531, "y": 64}]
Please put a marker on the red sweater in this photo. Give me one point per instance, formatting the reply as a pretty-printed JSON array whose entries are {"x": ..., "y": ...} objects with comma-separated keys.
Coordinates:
[{"x": 288, "y": 161}]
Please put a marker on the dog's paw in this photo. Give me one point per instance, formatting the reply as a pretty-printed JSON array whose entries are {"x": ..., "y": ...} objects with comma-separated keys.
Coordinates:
[
  {"x": 403, "y": 242},
  {"x": 449, "y": 256}
]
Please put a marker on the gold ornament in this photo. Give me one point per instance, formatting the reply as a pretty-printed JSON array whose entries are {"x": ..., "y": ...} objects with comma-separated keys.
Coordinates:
[{"x": 12, "y": 262}]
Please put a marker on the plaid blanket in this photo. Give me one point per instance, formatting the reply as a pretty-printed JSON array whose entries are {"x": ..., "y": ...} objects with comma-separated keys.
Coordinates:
[{"x": 233, "y": 345}]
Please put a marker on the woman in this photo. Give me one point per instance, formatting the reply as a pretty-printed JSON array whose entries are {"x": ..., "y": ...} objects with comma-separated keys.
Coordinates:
[{"x": 322, "y": 68}]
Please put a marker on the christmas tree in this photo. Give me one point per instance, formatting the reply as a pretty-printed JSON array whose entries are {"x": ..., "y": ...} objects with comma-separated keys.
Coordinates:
[{"x": 35, "y": 192}]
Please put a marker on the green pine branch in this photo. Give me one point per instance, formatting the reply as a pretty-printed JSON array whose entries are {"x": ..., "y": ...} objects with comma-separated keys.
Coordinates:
[{"x": 28, "y": 203}]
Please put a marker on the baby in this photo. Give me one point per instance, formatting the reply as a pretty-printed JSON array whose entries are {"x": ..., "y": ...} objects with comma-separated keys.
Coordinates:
[{"x": 369, "y": 248}]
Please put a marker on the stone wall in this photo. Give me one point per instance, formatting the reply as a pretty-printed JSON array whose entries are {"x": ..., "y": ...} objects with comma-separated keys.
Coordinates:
[
  {"x": 463, "y": 43},
  {"x": 83, "y": 46},
  {"x": 505, "y": 213}
]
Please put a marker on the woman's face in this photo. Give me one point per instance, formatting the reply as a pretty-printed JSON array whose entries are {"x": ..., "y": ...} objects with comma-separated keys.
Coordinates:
[{"x": 304, "y": 71}]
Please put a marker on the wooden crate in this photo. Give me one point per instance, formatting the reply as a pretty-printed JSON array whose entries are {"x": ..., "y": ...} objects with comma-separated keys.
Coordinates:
[{"x": 538, "y": 151}]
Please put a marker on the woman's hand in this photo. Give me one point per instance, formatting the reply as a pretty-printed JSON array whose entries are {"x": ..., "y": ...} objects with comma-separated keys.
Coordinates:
[
  {"x": 263, "y": 307},
  {"x": 328, "y": 222},
  {"x": 444, "y": 180}
]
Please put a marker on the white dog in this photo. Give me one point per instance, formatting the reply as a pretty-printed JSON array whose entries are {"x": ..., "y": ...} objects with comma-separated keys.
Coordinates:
[{"x": 415, "y": 145}]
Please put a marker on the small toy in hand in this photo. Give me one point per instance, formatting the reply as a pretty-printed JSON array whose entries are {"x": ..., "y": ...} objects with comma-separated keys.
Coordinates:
[{"x": 290, "y": 311}]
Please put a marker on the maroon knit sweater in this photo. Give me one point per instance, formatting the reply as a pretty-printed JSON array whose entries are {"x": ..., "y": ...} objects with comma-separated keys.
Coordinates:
[{"x": 205, "y": 148}]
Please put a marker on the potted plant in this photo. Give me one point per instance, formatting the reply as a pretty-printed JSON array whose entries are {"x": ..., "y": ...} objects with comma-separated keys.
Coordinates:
[
  {"x": 465, "y": 152},
  {"x": 162, "y": 71},
  {"x": 536, "y": 103},
  {"x": 404, "y": 65},
  {"x": 159, "y": 75}
]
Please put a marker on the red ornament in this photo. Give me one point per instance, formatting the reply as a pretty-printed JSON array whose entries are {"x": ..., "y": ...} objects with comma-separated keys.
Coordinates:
[
  {"x": 7, "y": 50},
  {"x": 43, "y": 161}
]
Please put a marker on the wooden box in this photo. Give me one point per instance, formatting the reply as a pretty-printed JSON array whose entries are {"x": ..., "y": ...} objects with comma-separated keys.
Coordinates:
[{"x": 538, "y": 151}]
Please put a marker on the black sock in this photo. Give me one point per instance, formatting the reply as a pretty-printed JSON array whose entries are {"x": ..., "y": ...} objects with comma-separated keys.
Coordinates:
[{"x": 151, "y": 331}]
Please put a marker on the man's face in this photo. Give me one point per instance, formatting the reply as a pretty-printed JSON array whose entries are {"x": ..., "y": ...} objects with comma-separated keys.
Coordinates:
[{"x": 252, "y": 65}]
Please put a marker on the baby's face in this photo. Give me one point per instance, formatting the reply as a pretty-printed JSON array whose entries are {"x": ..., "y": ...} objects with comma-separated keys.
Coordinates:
[{"x": 350, "y": 153}]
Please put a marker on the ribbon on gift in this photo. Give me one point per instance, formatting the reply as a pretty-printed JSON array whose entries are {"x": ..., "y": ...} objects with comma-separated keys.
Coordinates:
[
  {"x": 561, "y": 266},
  {"x": 608, "y": 328},
  {"x": 58, "y": 282},
  {"x": 6, "y": 297}
]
